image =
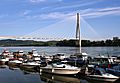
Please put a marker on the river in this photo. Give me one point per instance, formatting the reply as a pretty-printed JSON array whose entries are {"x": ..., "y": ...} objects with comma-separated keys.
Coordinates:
[{"x": 9, "y": 74}]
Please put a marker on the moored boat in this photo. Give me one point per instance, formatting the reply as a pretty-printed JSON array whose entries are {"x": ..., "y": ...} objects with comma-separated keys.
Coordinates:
[
  {"x": 15, "y": 61},
  {"x": 30, "y": 64},
  {"x": 3, "y": 59},
  {"x": 102, "y": 61},
  {"x": 99, "y": 74},
  {"x": 5, "y": 56},
  {"x": 60, "y": 69}
]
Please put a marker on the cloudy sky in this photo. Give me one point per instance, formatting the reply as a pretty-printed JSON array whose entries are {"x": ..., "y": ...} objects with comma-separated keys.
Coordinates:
[{"x": 100, "y": 19}]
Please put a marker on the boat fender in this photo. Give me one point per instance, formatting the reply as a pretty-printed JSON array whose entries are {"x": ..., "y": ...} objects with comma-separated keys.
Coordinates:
[{"x": 52, "y": 69}]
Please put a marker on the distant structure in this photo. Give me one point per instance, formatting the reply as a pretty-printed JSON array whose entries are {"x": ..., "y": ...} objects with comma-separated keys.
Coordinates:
[
  {"x": 115, "y": 38},
  {"x": 78, "y": 27},
  {"x": 78, "y": 33}
]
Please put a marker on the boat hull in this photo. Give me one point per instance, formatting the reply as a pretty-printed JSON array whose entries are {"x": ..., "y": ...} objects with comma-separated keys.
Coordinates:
[
  {"x": 30, "y": 65},
  {"x": 15, "y": 63},
  {"x": 60, "y": 71},
  {"x": 3, "y": 61},
  {"x": 101, "y": 78}
]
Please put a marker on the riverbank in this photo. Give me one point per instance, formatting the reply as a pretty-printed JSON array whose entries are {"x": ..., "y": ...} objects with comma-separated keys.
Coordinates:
[{"x": 64, "y": 43}]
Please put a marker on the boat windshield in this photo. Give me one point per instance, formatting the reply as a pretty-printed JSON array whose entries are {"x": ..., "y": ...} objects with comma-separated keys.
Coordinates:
[
  {"x": 101, "y": 60},
  {"x": 102, "y": 71}
]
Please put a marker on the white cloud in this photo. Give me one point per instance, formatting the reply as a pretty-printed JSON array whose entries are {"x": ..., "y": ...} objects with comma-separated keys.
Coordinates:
[
  {"x": 110, "y": 8},
  {"x": 75, "y": 5},
  {"x": 93, "y": 13},
  {"x": 87, "y": 13},
  {"x": 54, "y": 15}
]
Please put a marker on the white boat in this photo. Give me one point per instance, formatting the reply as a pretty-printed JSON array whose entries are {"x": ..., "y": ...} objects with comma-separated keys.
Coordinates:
[
  {"x": 99, "y": 74},
  {"x": 5, "y": 56},
  {"x": 3, "y": 59},
  {"x": 46, "y": 58},
  {"x": 80, "y": 56},
  {"x": 61, "y": 69},
  {"x": 15, "y": 62},
  {"x": 60, "y": 56},
  {"x": 20, "y": 52},
  {"x": 5, "y": 53},
  {"x": 30, "y": 64},
  {"x": 34, "y": 55}
]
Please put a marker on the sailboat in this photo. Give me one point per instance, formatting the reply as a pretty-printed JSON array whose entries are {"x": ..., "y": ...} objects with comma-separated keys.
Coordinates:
[{"x": 61, "y": 69}]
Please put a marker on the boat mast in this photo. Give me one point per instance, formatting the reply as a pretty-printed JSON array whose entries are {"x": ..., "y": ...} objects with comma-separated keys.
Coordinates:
[{"x": 78, "y": 33}]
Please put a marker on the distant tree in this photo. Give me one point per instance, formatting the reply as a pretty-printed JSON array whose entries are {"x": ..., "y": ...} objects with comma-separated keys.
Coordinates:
[
  {"x": 71, "y": 42},
  {"x": 108, "y": 42},
  {"x": 86, "y": 43}
]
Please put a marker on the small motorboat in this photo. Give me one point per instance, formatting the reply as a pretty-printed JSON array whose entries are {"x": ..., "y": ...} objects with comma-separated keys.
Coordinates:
[
  {"x": 15, "y": 61},
  {"x": 3, "y": 59},
  {"x": 30, "y": 64},
  {"x": 99, "y": 74},
  {"x": 60, "y": 69}
]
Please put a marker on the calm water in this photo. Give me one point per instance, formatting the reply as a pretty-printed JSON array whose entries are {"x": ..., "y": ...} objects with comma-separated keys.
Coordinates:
[
  {"x": 92, "y": 51},
  {"x": 11, "y": 74}
]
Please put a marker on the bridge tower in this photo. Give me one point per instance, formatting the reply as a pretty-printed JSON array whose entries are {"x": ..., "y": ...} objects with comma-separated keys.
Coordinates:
[{"x": 78, "y": 33}]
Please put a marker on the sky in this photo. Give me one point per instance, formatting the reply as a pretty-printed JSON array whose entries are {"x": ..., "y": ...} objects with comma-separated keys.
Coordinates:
[{"x": 100, "y": 19}]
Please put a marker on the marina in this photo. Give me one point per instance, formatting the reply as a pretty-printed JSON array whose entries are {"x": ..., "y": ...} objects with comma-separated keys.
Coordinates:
[
  {"x": 28, "y": 74},
  {"x": 59, "y": 41}
]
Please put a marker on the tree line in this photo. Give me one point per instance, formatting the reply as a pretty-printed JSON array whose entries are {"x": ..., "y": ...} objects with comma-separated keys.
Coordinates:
[{"x": 71, "y": 42}]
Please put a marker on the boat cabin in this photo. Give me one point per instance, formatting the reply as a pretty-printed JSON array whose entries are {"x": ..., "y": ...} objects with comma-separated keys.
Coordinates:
[
  {"x": 98, "y": 71},
  {"x": 102, "y": 61}
]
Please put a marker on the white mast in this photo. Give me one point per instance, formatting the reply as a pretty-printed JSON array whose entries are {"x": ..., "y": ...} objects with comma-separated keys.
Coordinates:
[{"x": 78, "y": 33}]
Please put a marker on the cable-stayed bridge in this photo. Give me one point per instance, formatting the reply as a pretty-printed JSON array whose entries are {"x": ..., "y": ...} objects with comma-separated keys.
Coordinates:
[
  {"x": 29, "y": 38},
  {"x": 61, "y": 30},
  {"x": 64, "y": 29}
]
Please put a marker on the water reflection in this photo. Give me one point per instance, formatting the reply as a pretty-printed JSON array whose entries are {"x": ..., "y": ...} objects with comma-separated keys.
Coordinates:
[
  {"x": 13, "y": 67},
  {"x": 2, "y": 65},
  {"x": 95, "y": 81},
  {"x": 28, "y": 75},
  {"x": 49, "y": 78},
  {"x": 27, "y": 70}
]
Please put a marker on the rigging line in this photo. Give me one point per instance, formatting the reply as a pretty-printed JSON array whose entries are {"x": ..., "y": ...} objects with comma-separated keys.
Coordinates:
[
  {"x": 90, "y": 27},
  {"x": 52, "y": 25}
]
